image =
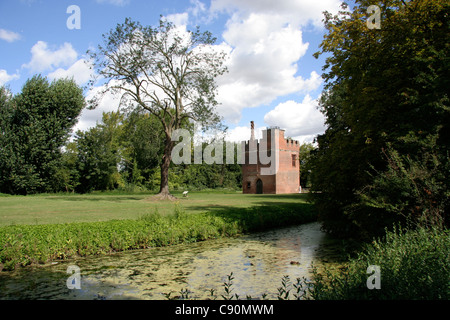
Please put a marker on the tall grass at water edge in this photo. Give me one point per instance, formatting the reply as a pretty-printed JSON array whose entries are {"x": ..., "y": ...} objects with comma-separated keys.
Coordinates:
[
  {"x": 22, "y": 245},
  {"x": 414, "y": 265}
]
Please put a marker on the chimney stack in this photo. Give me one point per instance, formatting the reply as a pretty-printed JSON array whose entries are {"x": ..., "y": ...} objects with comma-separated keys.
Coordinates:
[{"x": 252, "y": 126}]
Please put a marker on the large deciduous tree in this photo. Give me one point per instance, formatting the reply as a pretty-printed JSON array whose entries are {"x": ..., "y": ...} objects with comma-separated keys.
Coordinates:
[
  {"x": 164, "y": 70},
  {"x": 35, "y": 125},
  {"x": 386, "y": 89}
]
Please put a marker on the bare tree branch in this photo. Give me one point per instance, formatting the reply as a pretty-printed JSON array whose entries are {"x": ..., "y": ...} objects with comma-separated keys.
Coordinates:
[{"x": 163, "y": 71}]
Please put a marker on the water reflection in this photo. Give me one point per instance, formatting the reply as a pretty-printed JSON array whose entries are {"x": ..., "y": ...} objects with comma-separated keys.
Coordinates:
[{"x": 258, "y": 262}]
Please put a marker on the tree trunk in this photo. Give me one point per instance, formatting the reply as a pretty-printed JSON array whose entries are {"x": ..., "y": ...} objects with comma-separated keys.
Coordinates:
[{"x": 164, "y": 193}]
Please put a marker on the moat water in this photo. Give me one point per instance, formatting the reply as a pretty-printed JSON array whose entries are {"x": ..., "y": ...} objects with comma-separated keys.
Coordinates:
[{"x": 258, "y": 263}]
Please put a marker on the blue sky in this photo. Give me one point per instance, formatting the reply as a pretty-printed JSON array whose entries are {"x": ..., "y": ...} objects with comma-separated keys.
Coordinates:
[{"x": 273, "y": 78}]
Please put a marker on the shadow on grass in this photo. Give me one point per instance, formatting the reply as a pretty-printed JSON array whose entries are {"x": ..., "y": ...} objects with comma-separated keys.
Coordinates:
[
  {"x": 266, "y": 216},
  {"x": 96, "y": 198},
  {"x": 290, "y": 196}
]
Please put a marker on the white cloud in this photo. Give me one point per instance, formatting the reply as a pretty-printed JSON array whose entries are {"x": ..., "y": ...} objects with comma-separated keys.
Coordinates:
[
  {"x": 179, "y": 19},
  {"x": 5, "y": 77},
  {"x": 298, "y": 119},
  {"x": 44, "y": 58},
  {"x": 80, "y": 71},
  {"x": 89, "y": 118},
  {"x": 266, "y": 46},
  {"x": 239, "y": 134},
  {"x": 197, "y": 8},
  {"x": 300, "y": 12},
  {"x": 9, "y": 35},
  {"x": 264, "y": 40},
  {"x": 263, "y": 63}
]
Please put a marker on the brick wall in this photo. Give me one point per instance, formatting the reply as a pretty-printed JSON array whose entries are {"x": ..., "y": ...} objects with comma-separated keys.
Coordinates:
[{"x": 287, "y": 178}]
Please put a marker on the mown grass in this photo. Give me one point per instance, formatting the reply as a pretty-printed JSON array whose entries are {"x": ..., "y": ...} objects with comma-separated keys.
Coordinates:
[
  {"x": 22, "y": 245},
  {"x": 104, "y": 206}
]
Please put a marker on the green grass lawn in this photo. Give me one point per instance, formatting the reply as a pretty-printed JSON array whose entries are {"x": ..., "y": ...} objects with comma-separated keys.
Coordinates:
[
  {"x": 42, "y": 228},
  {"x": 67, "y": 208}
]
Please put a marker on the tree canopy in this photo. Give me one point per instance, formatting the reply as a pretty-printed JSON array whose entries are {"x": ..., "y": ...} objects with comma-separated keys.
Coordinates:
[
  {"x": 387, "y": 107},
  {"x": 164, "y": 70},
  {"x": 35, "y": 125}
]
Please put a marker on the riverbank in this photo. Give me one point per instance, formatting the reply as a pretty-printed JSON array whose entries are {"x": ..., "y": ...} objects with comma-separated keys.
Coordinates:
[
  {"x": 258, "y": 262},
  {"x": 23, "y": 245}
]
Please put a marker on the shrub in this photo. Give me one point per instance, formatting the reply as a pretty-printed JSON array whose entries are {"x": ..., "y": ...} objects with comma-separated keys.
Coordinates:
[{"x": 413, "y": 265}]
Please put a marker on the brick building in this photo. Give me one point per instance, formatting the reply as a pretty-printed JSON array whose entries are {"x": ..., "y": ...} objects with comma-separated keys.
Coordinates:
[{"x": 271, "y": 164}]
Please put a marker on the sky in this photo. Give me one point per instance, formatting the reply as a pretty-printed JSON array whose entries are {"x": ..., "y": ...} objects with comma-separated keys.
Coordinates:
[{"x": 272, "y": 79}]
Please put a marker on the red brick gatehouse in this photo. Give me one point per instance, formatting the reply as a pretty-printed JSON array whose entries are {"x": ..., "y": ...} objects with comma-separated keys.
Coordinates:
[{"x": 282, "y": 174}]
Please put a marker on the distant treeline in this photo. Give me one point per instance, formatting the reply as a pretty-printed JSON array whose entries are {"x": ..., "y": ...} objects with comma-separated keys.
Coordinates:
[{"x": 123, "y": 151}]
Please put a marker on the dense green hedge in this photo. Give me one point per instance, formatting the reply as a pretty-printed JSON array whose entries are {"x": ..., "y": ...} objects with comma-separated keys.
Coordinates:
[{"x": 22, "y": 245}]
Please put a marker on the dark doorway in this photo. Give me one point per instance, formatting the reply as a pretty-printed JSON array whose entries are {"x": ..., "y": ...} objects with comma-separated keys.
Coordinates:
[{"x": 259, "y": 187}]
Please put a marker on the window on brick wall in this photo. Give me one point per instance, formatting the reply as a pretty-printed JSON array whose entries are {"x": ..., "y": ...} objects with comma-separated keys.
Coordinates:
[
  {"x": 248, "y": 185},
  {"x": 294, "y": 160}
]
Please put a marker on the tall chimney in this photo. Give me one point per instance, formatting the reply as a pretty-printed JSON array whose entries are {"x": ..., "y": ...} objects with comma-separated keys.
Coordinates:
[{"x": 252, "y": 126}]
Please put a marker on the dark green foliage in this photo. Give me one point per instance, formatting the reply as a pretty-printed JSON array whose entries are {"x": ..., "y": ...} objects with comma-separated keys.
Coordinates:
[
  {"x": 209, "y": 176},
  {"x": 68, "y": 174},
  {"x": 99, "y": 155},
  {"x": 306, "y": 152},
  {"x": 418, "y": 189},
  {"x": 142, "y": 140},
  {"x": 386, "y": 87},
  {"x": 97, "y": 162},
  {"x": 36, "y": 124},
  {"x": 414, "y": 265},
  {"x": 124, "y": 152},
  {"x": 227, "y": 287}
]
